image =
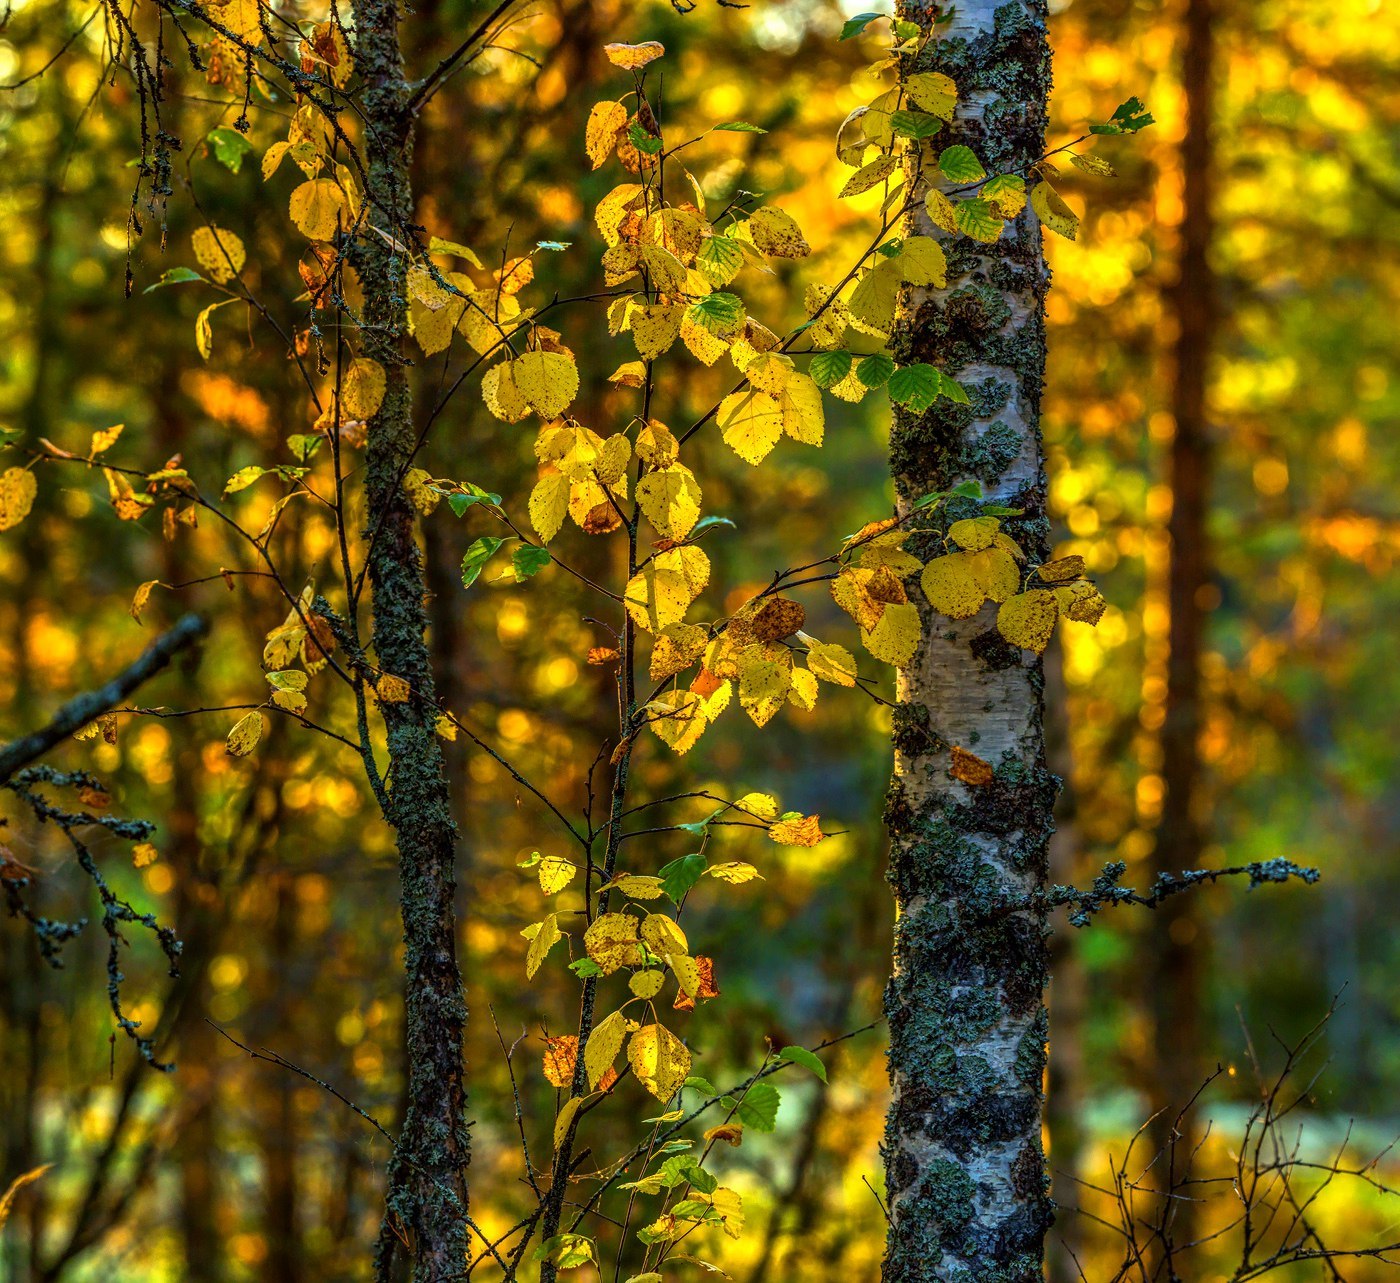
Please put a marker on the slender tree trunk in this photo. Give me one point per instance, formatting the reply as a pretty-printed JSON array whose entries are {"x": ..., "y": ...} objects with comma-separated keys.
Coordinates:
[
  {"x": 1176, "y": 946},
  {"x": 427, "y": 1197},
  {"x": 965, "y": 1169}
]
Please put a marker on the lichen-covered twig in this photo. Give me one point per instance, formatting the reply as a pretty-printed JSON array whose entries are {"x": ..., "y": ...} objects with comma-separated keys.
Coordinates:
[{"x": 84, "y": 708}]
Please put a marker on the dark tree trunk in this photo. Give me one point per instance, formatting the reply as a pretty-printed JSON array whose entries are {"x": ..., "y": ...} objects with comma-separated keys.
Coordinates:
[
  {"x": 427, "y": 1197},
  {"x": 965, "y": 1169},
  {"x": 1177, "y": 942}
]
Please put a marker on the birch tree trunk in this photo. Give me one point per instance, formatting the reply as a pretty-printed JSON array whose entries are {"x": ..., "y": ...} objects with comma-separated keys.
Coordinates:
[
  {"x": 965, "y": 1169},
  {"x": 427, "y": 1197}
]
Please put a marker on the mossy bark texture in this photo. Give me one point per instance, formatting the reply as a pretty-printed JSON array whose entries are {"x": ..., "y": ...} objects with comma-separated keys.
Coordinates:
[
  {"x": 427, "y": 1196},
  {"x": 965, "y": 1170}
]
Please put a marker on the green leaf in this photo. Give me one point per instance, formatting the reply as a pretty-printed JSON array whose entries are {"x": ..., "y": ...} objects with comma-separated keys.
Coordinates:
[
  {"x": 558, "y": 247},
  {"x": 906, "y": 30},
  {"x": 914, "y": 386},
  {"x": 960, "y": 164},
  {"x": 854, "y": 26},
  {"x": 829, "y": 368},
  {"x": 567, "y": 1251},
  {"x": 739, "y": 127},
  {"x": 915, "y": 124},
  {"x": 703, "y": 1085},
  {"x": 759, "y": 1107},
  {"x": 708, "y": 523},
  {"x": 679, "y": 876},
  {"x": 975, "y": 218},
  {"x": 459, "y": 503},
  {"x": 719, "y": 313},
  {"x": 968, "y": 489},
  {"x": 480, "y": 552},
  {"x": 686, "y": 1167},
  {"x": 229, "y": 147},
  {"x": 175, "y": 276},
  {"x": 875, "y": 370},
  {"x": 801, "y": 1056},
  {"x": 644, "y": 142},
  {"x": 719, "y": 259},
  {"x": 1000, "y": 510},
  {"x": 528, "y": 560},
  {"x": 304, "y": 444},
  {"x": 1127, "y": 119},
  {"x": 585, "y": 968}
]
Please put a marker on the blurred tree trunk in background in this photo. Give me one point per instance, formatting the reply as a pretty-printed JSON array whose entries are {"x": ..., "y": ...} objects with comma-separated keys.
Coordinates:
[
  {"x": 965, "y": 1171},
  {"x": 1177, "y": 932}
]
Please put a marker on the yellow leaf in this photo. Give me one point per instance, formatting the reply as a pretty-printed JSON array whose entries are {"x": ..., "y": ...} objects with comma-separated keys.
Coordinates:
[
  {"x": 560, "y": 1057},
  {"x": 800, "y": 402},
  {"x": 614, "y": 208},
  {"x": 777, "y": 234},
  {"x": 751, "y": 423},
  {"x": 104, "y": 439},
  {"x": 611, "y": 941},
  {"x": 951, "y": 586},
  {"x": 7, "y": 1200},
  {"x": 631, "y": 374},
  {"x": 896, "y": 637},
  {"x": 204, "y": 332},
  {"x": 242, "y": 18},
  {"x": 605, "y": 1042},
  {"x": 765, "y": 676},
  {"x": 1055, "y": 572},
  {"x": 17, "y": 491},
  {"x": 144, "y": 854},
  {"x": 317, "y": 208},
  {"x": 556, "y": 873},
  {"x": 663, "y": 936},
  {"x": 996, "y": 572},
  {"x": 922, "y": 262},
  {"x": 704, "y": 346},
  {"x": 639, "y": 887},
  {"x": 362, "y": 385},
  {"x": 659, "y": 1059},
  {"x": 875, "y": 295},
  {"x": 503, "y": 398},
  {"x": 244, "y": 736},
  {"x": 604, "y": 122},
  {"x": 656, "y": 444},
  {"x": 661, "y": 592},
  {"x": 549, "y": 501},
  {"x": 392, "y": 690},
  {"x": 933, "y": 92},
  {"x": 734, "y": 872},
  {"x": 647, "y": 984},
  {"x": 567, "y": 1111},
  {"x": 974, "y": 533},
  {"x": 546, "y": 936},
  {"x": 832, "y": 663},
  {"x": 655, "y": 327},
  {"x": 140, "y": 598},
  {"x": 849, "y": 590},
  {"x": 630, "y": 57},
  {"x": 677, "y": 647},
  {"x": 219, "y": 252},
  {"x": 1028, "y": 619},
  {"x": 940, "y": 210},
  {"x": 679, "y": 719},
  {"x": 869, "y": 176},
  {"x": 759, "y": 804},
  {"x": 670, "y": 498},
  {"x": 804, "y": 690},
  {"x": 416, "y": 485},
  {"x": 797, "y": 830},
  {"x": 686, "y": 971},
  {"x": 1051, "y": 209},
  {"x": 547, "y": 380},
  {"x": 969, "y": 768},
  {"x": 1081, "y": 602}
]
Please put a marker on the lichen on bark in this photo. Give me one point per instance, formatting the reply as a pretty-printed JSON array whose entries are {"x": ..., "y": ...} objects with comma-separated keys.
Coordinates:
[{"x": 965, "y": 1172}]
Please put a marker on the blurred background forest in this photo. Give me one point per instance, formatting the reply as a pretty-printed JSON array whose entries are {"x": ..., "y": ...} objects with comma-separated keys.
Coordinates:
[{"x": 276, "y": 870}]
